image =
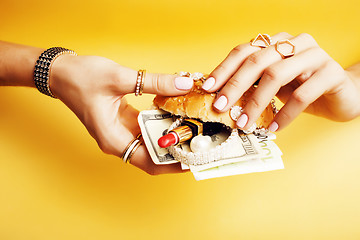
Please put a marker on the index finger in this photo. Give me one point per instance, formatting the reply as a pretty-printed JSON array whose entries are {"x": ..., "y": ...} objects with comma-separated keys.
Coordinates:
[{"x": 228, "y": 67}]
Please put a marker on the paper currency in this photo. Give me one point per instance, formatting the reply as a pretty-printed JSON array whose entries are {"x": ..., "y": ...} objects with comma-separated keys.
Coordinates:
[
  {"x": 245, "y": 147},
  {"x": 153, "y": 123},
  {"x": 249, "y": 154},
  {"x": 270, "y": 160}
]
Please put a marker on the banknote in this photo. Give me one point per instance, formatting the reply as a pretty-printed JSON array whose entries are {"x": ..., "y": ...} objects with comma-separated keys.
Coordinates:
[
  {"x": 243, "y": 148},
  {"x": 250, "y": 153},
  {"x": 270, "y": 160},
  {"x": 153, "y": 124}
]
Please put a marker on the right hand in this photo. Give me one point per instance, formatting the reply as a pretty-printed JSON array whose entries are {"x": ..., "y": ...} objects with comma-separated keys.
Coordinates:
[{"x": 309, "y": 81}]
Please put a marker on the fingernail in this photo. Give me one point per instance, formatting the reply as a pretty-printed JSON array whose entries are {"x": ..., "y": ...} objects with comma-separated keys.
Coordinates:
[
  {"x": 273, "y": 127},
  {"x": 184, "y": 83},
  {"x": 243, "y": 119},
  {"x": 209, "y": 83},
  {"x": 221, "y": 103}
]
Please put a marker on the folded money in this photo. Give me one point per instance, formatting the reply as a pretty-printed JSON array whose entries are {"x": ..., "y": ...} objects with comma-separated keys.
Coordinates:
[{"x": 187, "y": 129}]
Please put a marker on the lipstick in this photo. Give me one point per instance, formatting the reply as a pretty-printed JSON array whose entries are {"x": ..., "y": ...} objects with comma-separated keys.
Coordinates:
[{"x": 188, "y": 129}]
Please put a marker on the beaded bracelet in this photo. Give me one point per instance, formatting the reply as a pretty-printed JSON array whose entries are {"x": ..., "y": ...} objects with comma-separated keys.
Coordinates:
[{"x": 42, "y": 68}]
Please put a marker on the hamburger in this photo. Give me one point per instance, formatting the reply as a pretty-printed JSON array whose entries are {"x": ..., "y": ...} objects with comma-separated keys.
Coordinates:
[
  {"x": 198, "y": 104},
  {"x": 200, "y": 134}
]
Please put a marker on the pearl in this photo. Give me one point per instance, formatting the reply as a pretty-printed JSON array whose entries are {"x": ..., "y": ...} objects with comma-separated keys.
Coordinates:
[
  {"x": 201, "y": 143},
  {"x": 235, "y": 112}
]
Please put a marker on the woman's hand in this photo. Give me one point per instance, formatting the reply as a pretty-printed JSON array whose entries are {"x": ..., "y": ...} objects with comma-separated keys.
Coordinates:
[
  {"x": 94, "y": 87},
  {"x": 309, "y": 81}
]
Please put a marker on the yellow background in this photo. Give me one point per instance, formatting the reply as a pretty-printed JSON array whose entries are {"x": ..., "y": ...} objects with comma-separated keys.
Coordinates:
[{"x": 56, "y": 184}]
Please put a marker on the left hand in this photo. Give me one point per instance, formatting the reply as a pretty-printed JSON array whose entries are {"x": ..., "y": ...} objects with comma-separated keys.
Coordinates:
[
  {"x": 309, "y": 81},
  {"x": 94, "y": 89}
]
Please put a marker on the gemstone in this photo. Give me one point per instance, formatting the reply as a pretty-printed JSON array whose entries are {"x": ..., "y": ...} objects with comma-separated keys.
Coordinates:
[
  {"x": 235, "y": 112},
  {"x": 196, "y": 75},
  {"x": 183, "y": 74}
]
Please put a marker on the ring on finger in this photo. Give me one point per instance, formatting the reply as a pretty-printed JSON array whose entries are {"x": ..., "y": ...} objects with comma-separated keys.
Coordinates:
[
  {"x": 285, "y": 48},
  {"x": 130, "y": 149},
  {"x": 261, "y": 40},
  {"x": 140, "y": 82}
]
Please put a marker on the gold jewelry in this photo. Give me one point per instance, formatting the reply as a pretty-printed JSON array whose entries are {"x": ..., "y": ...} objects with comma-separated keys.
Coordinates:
[
  {"x": 131, "y": 148},
  {"x": 284, "y": 54},
  {"x": 43, "y": 67},
  {"x": 140, "y": 82},
  {"x": 265, "y": 38}
]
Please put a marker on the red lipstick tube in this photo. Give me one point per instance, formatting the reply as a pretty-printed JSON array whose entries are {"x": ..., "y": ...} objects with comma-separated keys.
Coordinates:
[{"x": 188, "y": 129}]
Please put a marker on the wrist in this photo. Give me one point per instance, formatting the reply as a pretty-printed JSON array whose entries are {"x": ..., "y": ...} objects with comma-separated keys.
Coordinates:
[
  {"x": 43, "y": 66},
  {"x": 61, "y": 73}
]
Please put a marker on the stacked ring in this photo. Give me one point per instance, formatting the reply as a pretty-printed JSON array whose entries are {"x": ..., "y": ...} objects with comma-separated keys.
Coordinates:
[
  {"x": 130, "y": 149},
  {"x": 140, "y": 82}
]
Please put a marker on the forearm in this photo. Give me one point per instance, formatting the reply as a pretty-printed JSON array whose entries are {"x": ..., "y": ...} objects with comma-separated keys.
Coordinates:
[{"x": 17, "y": 64}]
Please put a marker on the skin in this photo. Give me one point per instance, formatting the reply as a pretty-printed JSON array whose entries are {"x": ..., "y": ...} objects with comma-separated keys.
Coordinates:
[
  {"x": 93, "y": 88},
  {"x": 309, "y": 81}
]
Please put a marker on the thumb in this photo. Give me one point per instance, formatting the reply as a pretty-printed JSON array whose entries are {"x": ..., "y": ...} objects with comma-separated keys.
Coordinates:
[
  {"x": 167, "y": 85},
  {"x": 154, "y": 83}
]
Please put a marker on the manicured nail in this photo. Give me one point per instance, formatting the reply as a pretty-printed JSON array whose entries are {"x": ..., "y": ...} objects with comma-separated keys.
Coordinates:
[
  {"x": 221, "y": 103},
  {"x": 273, "y": 127},
  {"x": 184, "y": 83},
  {"x": 243, "y": 119},
  {"x": 209, "y": 83}
]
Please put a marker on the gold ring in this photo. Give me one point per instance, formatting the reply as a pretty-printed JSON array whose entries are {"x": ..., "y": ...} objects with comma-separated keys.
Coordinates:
[
  {"x": 140, "y": 82},
  {"x": 261, "y": 40},
  {"x": 130, "y": 149},
  {"x": 285, "y": 48}
]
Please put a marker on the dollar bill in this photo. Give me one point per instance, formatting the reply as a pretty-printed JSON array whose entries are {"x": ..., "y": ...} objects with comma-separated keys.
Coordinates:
[
  {"x": 249, "y": 154},
  {"x": 153, "y": 124},
  {"x": 270, "y": 160},
  {"x": 243, "y": 148}
]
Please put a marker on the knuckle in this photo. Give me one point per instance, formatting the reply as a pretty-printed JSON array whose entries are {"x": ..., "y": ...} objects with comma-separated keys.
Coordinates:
[
  {"x": 284, "y": 35},
  {"x": 157, "y": 83},
  {"x": 300, "y": 97},
  {"x": 255, "y": 103},
  {"x": 233, "y": 83},
  {"x": 321, "y": 53},
  {"x": 284, "y": 116},
  {"x": 221, "y": 67},
  {"x": 333, "y": 66},
  {"x": 254, "y": 59},
  {"x": 303, "y": 77},
  {"x": 337, "y": 73},
  {"x": 237, "y": 49},
  {"x": 271, "y": 74},
  {"x": 308, "y": 38}
]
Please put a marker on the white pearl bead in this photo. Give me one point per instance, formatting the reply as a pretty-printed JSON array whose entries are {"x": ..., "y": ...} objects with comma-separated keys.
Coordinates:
[{"x": 200, "y": 143}]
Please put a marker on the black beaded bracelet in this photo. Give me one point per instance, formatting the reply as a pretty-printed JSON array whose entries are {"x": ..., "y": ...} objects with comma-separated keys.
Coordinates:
[{"x": 42, "y": 68}]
